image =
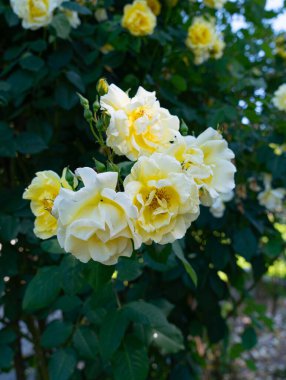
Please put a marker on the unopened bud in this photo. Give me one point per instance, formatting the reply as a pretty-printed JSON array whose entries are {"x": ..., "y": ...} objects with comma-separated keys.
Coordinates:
[
  {"x": 184, "y": 128},
  {"x": 83, "y": 101},
  {"x": 95, "y": 106},
  {"x": 102, "y": 87},
  {"x": 88, "y": 115},
  {"x": 106, "y": 119}
]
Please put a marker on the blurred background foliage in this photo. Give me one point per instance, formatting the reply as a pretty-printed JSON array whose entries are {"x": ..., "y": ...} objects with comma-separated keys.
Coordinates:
[{"x": 143, "y": 318}]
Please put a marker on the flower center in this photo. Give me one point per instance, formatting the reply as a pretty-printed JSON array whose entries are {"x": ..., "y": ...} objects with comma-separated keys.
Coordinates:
[
  {"x": 48, "y": 204},
  {"x": 38, "y": 8}
]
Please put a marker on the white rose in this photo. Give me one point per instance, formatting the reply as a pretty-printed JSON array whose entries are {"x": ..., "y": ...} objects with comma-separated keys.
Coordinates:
[
  {"x": 166, "y": 198},
  {"x": 279, "y": 99},
  {"x": 95, "y": 222},
  {"x": 207, "y": 159},
  {"x": 271, "y": 199},
  {"x": 35, "y": 13},
  {"x": 138, "y": 125},
  {"x": 218, "y": 207}
]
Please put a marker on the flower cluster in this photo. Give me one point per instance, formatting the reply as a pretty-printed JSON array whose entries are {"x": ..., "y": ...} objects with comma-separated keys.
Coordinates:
[
  {"x": 279, "y": 99},
  {"x": 38, "y": 13},
  {"x": 140, "y": 17},
  {"x": 204, "y": 41},
  {"x": 161, "y": 196}
]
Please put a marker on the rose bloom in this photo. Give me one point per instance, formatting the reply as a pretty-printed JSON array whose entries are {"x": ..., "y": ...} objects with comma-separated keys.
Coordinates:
[
  {"x": 72, "y": 17},
  {"x": 155, "y": 6},
  {"x": 138, "y": 18},
  {"x": 35, "y": 13},
  {"x": 167, "y": 199},
  {"x": 204, "y": 41},
  {"x": 271, "y": 199},
  {"x": 279, "y": 99},
  {"x": 42, "y": 192},
  {"x": 216, "y": 4},
  {"x": 218, "y": 207},
  {"x": 207, "y": 159},
  {"x": 138, "y": 126},
  {"x": 95, "y": 222}
]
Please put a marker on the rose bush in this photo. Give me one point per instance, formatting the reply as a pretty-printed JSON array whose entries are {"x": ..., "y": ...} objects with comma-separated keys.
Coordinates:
[{"x": 163, "y": 312}]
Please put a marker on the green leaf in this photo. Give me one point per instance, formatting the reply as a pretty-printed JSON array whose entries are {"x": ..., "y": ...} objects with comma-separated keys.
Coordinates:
[
  {"x": 61, "y": 25},
  {"x": 245, "y": 243},
  {"x": 249, "y": 338},
  {"x": 43, "y": 289},
  {"x": 32, "y": 63},
  {"x": 189, "y": 269},
  {"x": 76, "y": 80},
  {"x": 62, "y": 364},
  {"x": 169, "y": 339},
  {"x": 111, "y": 333},
  {"x": 131, "y": 362},
  {"x": 86, "y": 343},
  {"x": 72, "y": 276},
  {"x": 128, "y": 269},
  {"x": 29, "y": 142},
  {"x": 7, "y": 143},
  {"x": 76, "y": 8},
  {"x": 98, "y": 274},
  {"x": 56, "y": 334},
  {"x": 6, "y": 357},
  {"x": 52, "y": 246}
]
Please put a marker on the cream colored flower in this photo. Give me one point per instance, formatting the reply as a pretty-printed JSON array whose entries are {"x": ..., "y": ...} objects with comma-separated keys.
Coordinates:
[
  {"x": 279, "y": 99},
  {"x": 72, "y": 17},
  {"x": 138, "y": 18},
  {"x": 42, "y": 192},
  {"x": 35, "y": 13},
  {"x": 216, "y": 4},
  {"x": 203, "y": 40},
  {"x": 167, "y": 199},
  {"x": 155, "y": 6},
  {"x": 271, "y": 199},
  {"x": 207, "y": 159},
  {"x": 95, "y": 222},
  {"x": 218, "y": 207},
  {"x": 138, "y": 126}
]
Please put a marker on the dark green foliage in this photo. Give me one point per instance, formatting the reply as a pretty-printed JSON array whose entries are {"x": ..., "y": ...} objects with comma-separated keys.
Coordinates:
[{"x": 144, "y": 317}]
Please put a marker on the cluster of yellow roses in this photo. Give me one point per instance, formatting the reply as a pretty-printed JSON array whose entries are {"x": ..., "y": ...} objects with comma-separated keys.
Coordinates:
[{"x": 171, "y": 176}]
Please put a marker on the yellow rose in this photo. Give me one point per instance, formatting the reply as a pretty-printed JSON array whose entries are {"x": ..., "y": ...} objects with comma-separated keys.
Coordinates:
[
  {"x": 35, "y": 13},
  {"x": 138, "y": 18},
  {"x": 138, "y": 125},
  {"x": 204, "y": 41},
  {"x": 155, "y": 6},
  {"x": 42, "y": 192},
  {"x": 167, "y": 200},
  {"x": 279, "y": 99},
  {"x": 207, "y": 159},
  {"x": 95, "y": 222}
]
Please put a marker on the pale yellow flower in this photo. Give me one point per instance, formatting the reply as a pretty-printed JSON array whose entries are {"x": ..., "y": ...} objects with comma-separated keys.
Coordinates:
[
  {"x": 138, "y": 18},
  {"x": 95, "y": 222},
  {"x": 216, "y": 4},
  {"x": 138, "y": 125},
  {"x": 42, "y": 192},
  {"x": 72, "y": 17},
  {"x": 35, "y": 13},
  {"x": 166, "y": 198},
  {"x": 203, "y": 40},
  {"x": 271, "y": 199},
  {"x": 279, "y": 99},
  {"x": 207, "y": 159},
  {"x": 155, "y": 6}
]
